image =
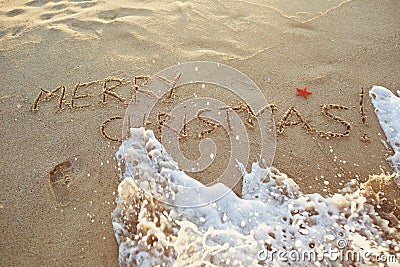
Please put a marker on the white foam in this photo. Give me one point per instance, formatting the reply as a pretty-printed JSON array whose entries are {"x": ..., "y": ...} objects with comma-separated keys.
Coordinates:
[
  {"x": 387, "y": 109},
  {"x": 274, "y": 216}
]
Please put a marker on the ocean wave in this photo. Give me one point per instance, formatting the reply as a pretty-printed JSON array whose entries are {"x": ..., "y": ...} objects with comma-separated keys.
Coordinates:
[{"x": 275, "y": 218}]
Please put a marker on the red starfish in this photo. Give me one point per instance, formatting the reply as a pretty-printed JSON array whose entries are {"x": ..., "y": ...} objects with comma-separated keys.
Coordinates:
[{"x": 303, "y": 92}]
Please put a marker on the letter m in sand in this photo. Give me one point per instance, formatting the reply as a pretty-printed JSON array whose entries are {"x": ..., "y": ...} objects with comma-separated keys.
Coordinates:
[{"x": 44, "y": 95}]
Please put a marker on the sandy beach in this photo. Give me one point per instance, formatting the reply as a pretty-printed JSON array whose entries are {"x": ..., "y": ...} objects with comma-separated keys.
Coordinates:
[{"x": 58, "y": 172}]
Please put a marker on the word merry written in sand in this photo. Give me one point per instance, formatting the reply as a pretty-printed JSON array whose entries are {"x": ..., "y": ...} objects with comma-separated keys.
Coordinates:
[
  {"x": 76, "y": 98},
  {"x": 80, "y": 98}
]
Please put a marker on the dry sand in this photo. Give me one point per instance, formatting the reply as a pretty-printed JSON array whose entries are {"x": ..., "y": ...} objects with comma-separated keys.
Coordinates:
[{"x": 334, "y": 48}]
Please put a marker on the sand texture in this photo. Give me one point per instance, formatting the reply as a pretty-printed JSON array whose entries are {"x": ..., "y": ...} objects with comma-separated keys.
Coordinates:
[{"x": 58, "y": 173}]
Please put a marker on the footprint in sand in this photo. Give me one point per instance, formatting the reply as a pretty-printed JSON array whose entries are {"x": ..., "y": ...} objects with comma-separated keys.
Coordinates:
[{"x": 59, "y": 181}]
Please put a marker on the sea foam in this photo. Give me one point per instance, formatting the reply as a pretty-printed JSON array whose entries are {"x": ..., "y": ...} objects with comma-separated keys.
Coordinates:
[
  {"x": 387, "y": 109},
  {"x": 231, "y": 231}
]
